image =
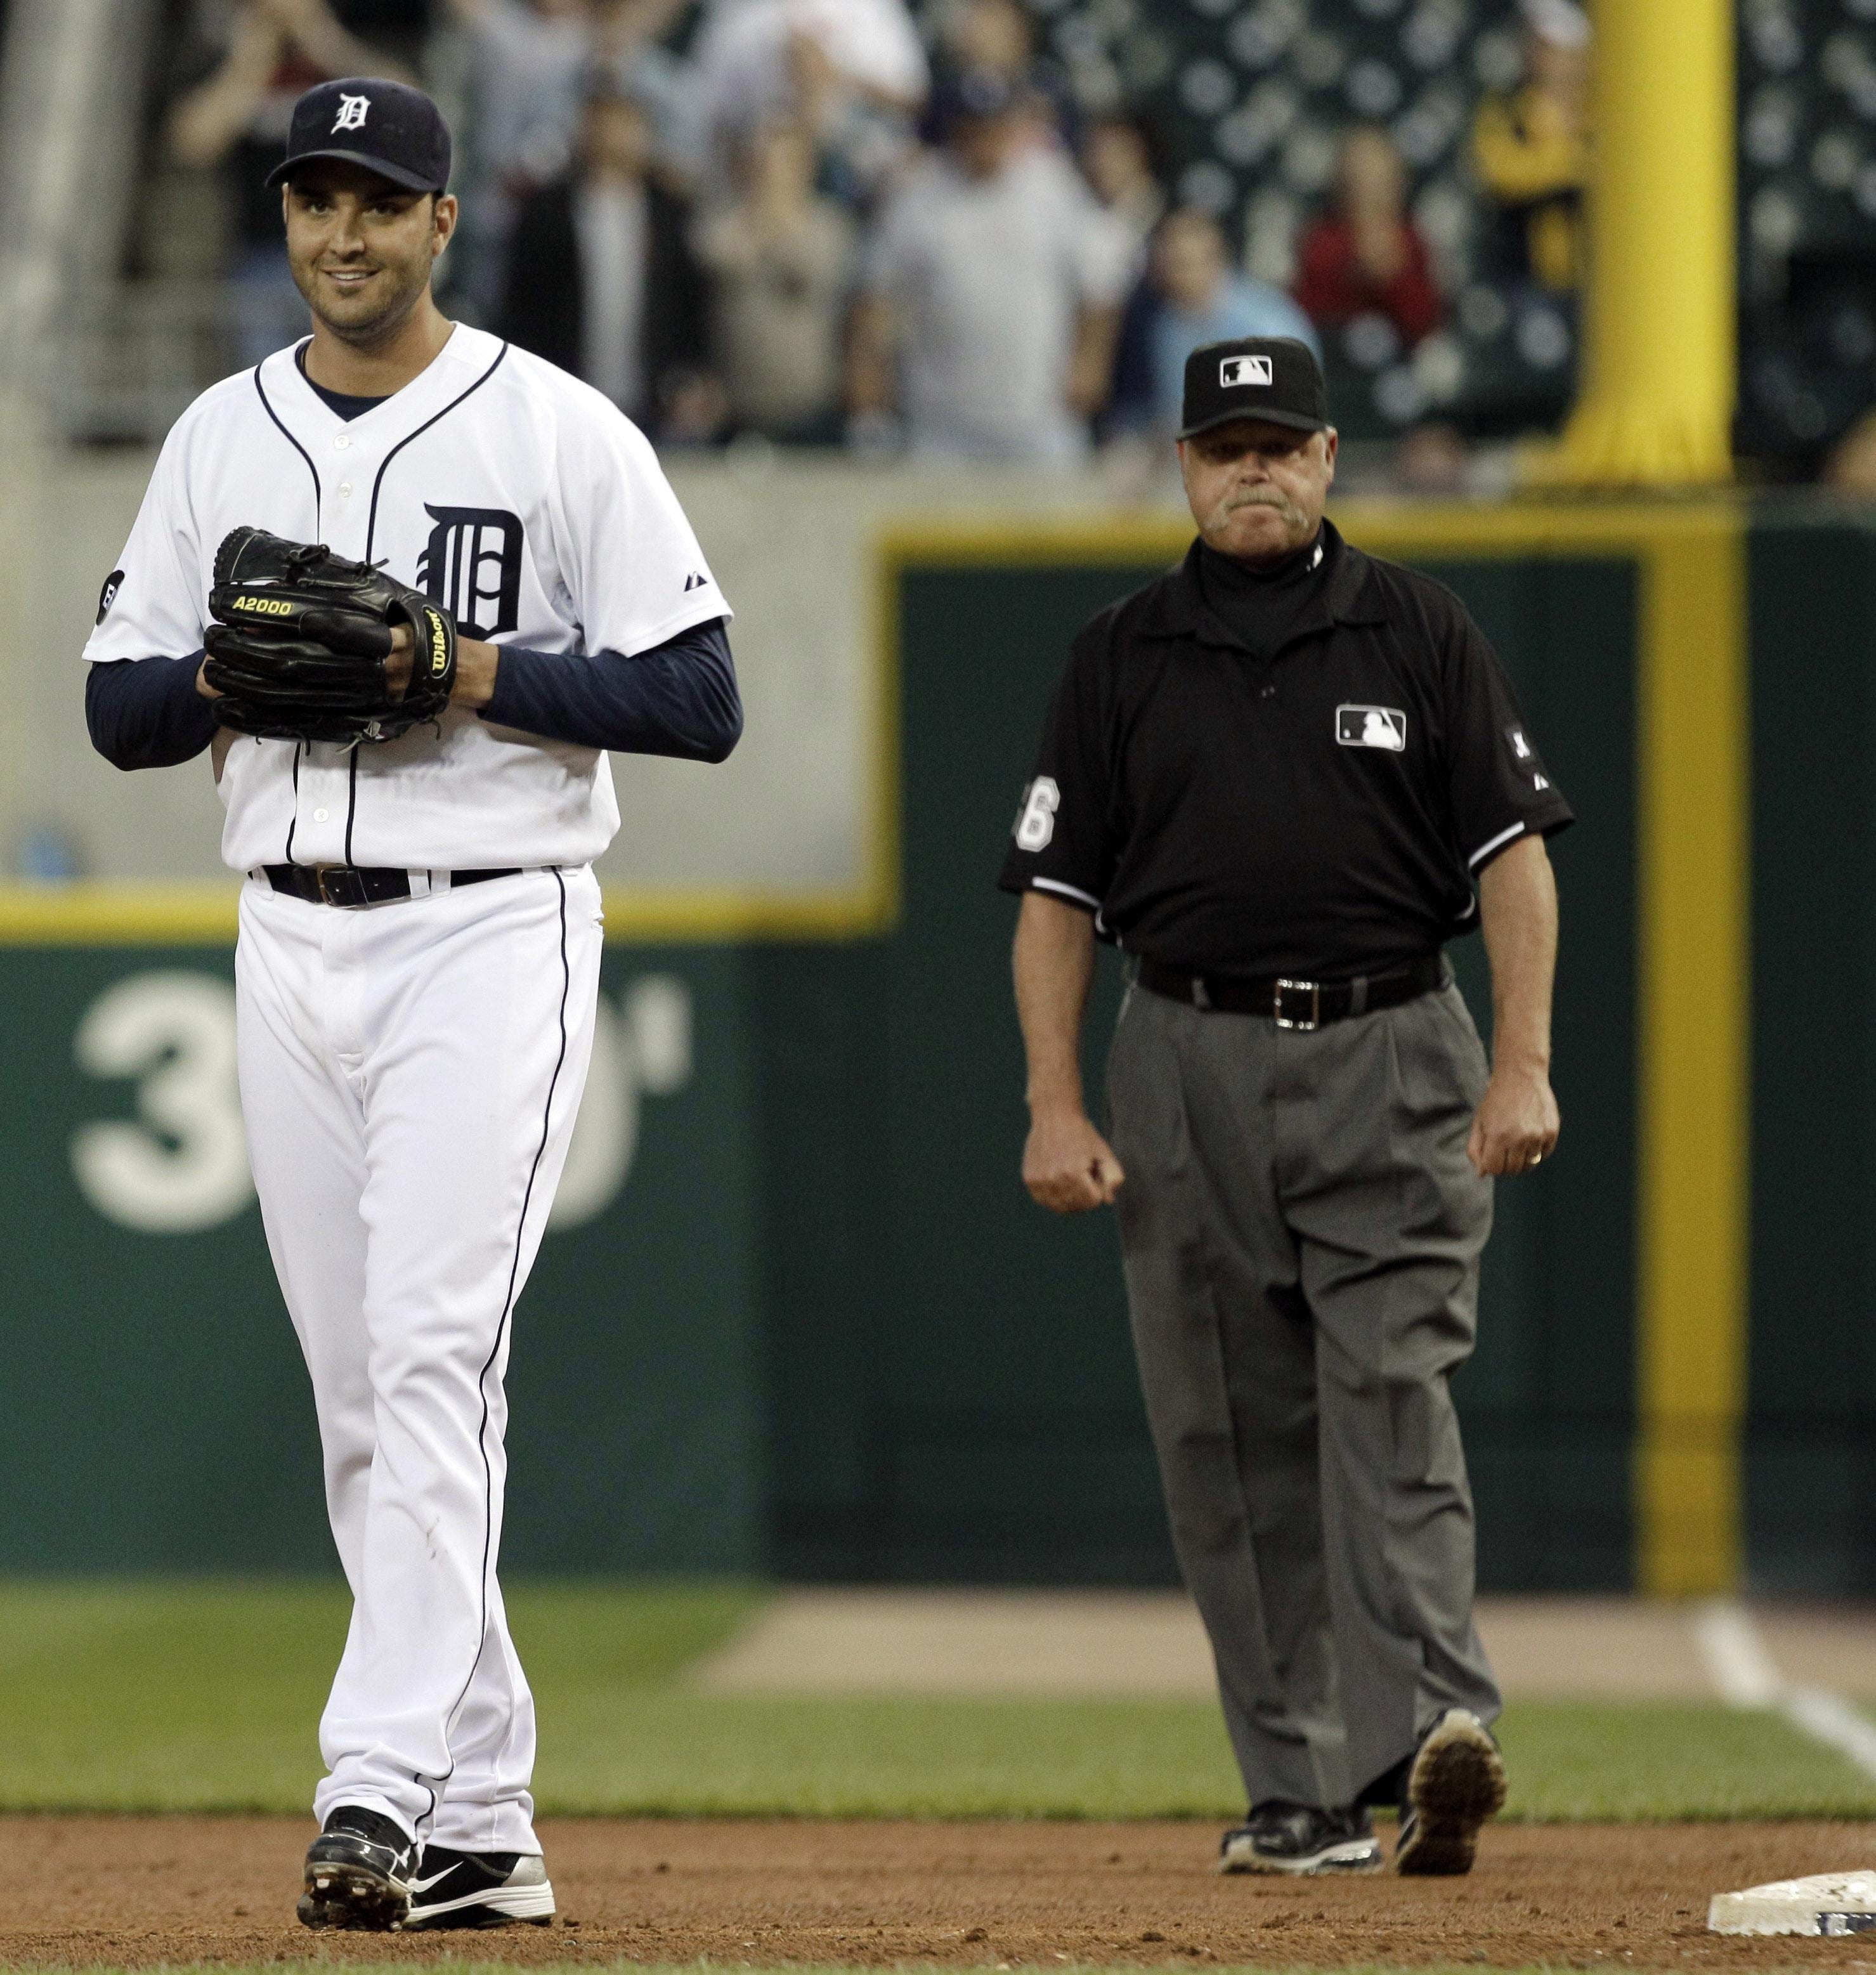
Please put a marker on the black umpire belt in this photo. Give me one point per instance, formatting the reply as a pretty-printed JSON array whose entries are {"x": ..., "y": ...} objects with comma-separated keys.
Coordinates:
[
  {"x": 1294, "y": 1005},
  {"x": 362, "y": 885}
]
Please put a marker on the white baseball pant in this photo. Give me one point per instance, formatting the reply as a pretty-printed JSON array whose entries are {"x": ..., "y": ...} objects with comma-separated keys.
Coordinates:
[{"x": 409, "y": 1075}]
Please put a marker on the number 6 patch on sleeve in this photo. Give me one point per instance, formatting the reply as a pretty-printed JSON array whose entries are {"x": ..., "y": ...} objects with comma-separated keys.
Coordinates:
[{"x": 1035, "y": 823}]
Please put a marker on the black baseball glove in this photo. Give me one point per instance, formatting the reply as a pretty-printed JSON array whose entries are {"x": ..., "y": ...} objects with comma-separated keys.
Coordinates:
[{"x": 298, "y": 647}]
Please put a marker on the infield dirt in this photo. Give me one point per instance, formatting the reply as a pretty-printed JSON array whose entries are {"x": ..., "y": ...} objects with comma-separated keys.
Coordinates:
[{"x": 139, "y": 1891}]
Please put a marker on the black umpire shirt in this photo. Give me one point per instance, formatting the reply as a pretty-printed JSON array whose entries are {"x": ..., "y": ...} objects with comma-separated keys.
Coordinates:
[{"x": 1300, "y": 774}]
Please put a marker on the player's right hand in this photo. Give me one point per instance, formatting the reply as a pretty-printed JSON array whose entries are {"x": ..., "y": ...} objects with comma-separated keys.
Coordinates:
[{"x": 1067, "y": 1166}]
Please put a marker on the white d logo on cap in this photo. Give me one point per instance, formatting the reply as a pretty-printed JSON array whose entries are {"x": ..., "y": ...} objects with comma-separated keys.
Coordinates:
[
  {"x": 352, "y": 112},
  {"x": 1244, "y": 370}
]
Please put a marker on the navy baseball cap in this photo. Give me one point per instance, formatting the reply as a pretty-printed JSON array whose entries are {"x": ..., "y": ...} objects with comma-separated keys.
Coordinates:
[
  {"x": 388, "y": 127},
  {"x": 1274, "y": 378}
]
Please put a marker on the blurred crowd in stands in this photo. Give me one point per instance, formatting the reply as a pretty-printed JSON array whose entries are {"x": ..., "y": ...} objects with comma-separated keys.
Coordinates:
[{"x": 844, "y": 222}]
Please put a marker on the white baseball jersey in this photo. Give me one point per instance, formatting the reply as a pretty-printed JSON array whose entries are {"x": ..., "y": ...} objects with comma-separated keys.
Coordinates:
[{"x": 507, "y": 491}]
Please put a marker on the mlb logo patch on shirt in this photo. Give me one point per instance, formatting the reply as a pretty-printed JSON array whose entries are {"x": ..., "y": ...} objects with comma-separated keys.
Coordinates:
[
  {"x": 1383, "y": 727},
  {"x": 1244, "y": 370}
]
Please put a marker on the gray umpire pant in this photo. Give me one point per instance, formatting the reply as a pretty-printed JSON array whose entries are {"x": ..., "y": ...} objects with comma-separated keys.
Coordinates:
[{"x": 1302, "y": 1230}]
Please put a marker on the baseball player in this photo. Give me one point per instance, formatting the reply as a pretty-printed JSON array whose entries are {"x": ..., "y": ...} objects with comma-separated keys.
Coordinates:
[{"x": 406, "y": 585}]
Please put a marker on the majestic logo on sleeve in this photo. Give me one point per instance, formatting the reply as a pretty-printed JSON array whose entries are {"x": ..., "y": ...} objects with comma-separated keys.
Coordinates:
[
  {"x": 1244, "y": 370},
  {"x": 1384, "y": 727},
  {"x": 1525, "y": 756},
  {"x": 108, "y": 595},
  {"x": 353, "y": 111},
  {"x": 472, "y": 566}
]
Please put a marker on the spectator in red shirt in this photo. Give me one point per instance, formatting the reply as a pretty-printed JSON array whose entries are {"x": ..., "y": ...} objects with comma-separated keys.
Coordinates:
[{"x": 1366, "y": 257}]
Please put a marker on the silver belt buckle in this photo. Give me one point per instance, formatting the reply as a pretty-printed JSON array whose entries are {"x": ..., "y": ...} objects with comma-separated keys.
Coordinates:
[{"x": 1313, "y": 1020}]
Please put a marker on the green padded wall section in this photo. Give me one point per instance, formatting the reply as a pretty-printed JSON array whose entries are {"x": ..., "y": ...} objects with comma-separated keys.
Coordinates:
[{"x": 960, "y": 1402}]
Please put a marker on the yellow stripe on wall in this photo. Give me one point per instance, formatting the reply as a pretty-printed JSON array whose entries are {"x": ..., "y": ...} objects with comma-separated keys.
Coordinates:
[
  {"x": 1695, "y": 1095},
  {"x": 118, "y": 915}
]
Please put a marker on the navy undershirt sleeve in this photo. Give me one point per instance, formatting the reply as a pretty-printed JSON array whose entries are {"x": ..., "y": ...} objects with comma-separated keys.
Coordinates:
[
  {"x": 146, "y": 713},
  {"x": 679, "y": 698}
]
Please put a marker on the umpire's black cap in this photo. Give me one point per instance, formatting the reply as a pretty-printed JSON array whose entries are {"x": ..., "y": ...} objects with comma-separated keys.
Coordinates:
[
  {"x": 1274, "y": 378},
  {"x": 388, "y": 127}
]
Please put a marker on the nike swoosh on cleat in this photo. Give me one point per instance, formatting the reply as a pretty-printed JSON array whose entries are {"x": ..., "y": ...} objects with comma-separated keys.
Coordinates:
[{"x": 424, "y": 1885}]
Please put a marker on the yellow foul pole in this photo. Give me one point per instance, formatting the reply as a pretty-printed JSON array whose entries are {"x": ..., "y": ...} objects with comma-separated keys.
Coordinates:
[
  {"x": 1660, "y": 359},
  {"x": 1656, "y": 412}
]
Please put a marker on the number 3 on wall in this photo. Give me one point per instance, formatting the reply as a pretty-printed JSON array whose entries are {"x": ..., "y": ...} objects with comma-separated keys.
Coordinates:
[{"x": 182, "y": 1166}]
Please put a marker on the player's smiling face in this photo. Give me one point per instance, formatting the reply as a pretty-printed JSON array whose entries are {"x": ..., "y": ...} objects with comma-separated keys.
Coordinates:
[{"x": 363, "y": 249}]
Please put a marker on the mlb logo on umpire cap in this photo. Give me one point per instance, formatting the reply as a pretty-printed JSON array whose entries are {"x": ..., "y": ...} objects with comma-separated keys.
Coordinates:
[
  {"x": 1284, "y": 373},
  {"x": 1244, "y": 370}
]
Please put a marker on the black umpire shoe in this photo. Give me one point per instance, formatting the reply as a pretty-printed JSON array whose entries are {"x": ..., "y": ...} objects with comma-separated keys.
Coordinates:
[
  {"x": 1293, "y": 1838},
  {"x": 477, "y": 1889},
  {"x": 357, "y": 1873},
  {"x": 1455, "y": 1781}
]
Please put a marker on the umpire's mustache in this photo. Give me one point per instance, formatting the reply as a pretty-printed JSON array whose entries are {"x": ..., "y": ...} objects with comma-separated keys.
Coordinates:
[{"x": 1263, "y": 497}]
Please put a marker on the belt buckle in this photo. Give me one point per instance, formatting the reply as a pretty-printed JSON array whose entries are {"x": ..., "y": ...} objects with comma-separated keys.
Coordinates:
[
  {"x": 1306, "y": 1024},
  {"x": 345, "y": 896}
]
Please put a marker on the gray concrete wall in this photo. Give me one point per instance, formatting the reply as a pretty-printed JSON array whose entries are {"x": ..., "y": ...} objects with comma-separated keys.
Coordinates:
[{"x": 792, "y": 541}]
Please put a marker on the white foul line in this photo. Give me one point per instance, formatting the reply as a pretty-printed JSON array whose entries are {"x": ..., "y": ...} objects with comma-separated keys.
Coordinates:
[
  {"x": 1830, "y": 1719},
  {"x": 1737, "y": 1660},
  {"x": 1746, "y": 1676}
]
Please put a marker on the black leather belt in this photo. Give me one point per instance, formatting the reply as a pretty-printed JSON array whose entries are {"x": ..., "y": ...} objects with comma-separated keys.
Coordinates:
[
  {"x": 357, "y": 884},
  {"x": 1294, "y": 1005}
]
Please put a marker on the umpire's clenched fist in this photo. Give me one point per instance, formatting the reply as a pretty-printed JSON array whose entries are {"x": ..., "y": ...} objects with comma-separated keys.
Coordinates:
[
  {"x": 1515, "y": 1128},
  {"x": 1067, "y": 1166}
]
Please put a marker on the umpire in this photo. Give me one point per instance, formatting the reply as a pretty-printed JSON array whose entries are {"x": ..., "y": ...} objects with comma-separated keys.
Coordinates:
[{"x": 1276, "y": 776}]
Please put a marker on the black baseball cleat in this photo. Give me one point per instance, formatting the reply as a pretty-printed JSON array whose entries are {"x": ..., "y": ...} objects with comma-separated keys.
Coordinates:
[
  {"x": 357, "y": 1873},
  {"x": 1293, "y": 1838},
  {"x": 1455, "y": 1781},
  {"x": 477, "y": 1889}
]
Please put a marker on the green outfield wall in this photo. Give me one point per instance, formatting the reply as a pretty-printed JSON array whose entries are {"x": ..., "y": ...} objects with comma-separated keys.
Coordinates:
[
  {"x": 156, "y": 1411},
  {"x": 795, "y": 1314},
  {"x": 975, "y": 1410},
  {"x": 1810, "y": 1445}
]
